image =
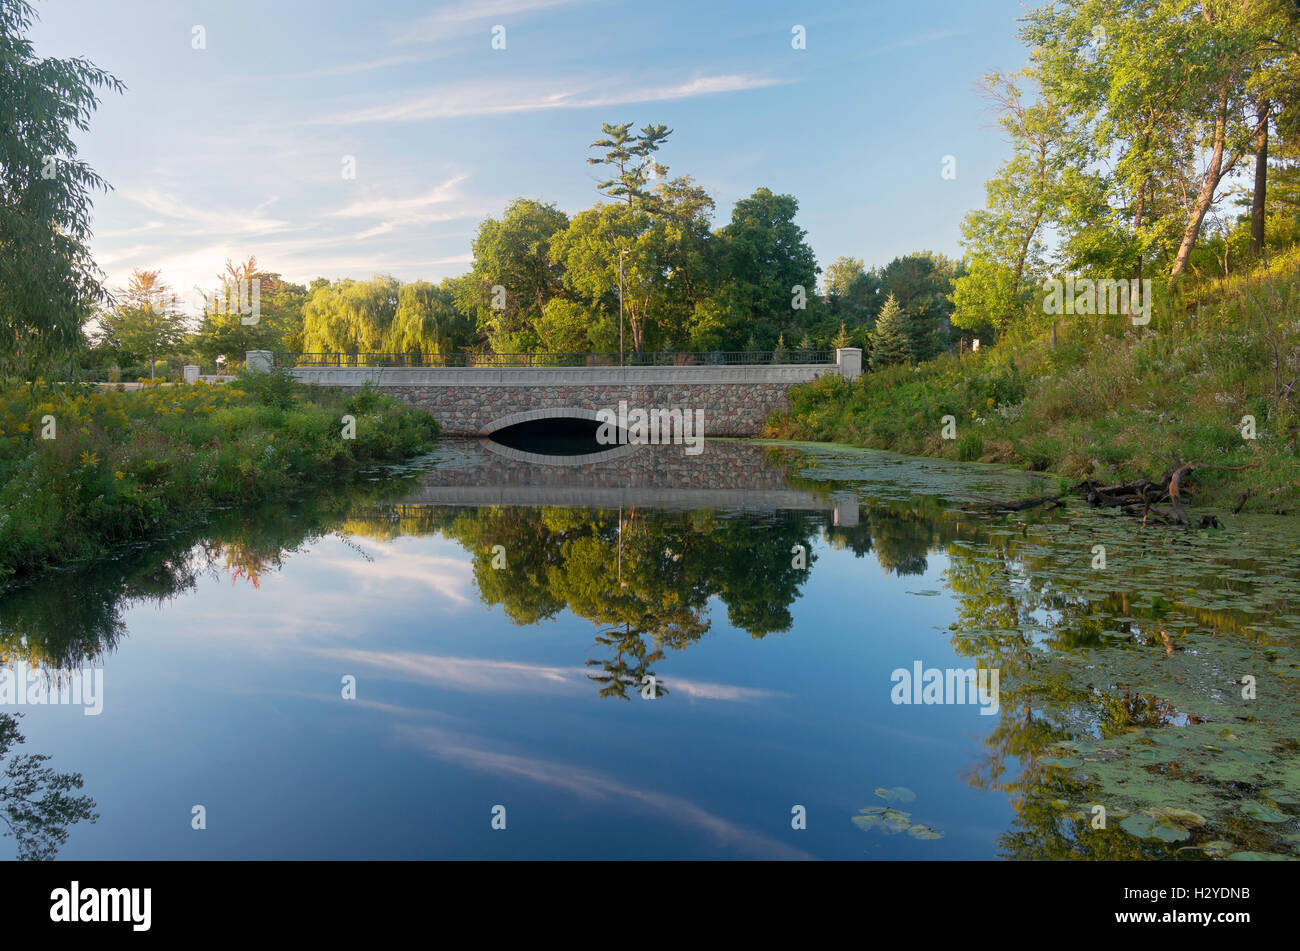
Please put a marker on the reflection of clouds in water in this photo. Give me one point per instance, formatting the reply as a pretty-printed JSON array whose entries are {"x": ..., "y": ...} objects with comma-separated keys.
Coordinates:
[
  {"x": 391, "y": 569},
  {"x": 593, "y": 785},
  {"x": 329, "y": 590},
  {"x": 471, "y": 673}
]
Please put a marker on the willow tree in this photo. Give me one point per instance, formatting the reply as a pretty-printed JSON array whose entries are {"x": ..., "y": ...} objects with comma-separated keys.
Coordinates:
[
  {"x": 426, "y": 321},
  {"x": 49, "y": 284},
  {"x": 350, "y": 316}
]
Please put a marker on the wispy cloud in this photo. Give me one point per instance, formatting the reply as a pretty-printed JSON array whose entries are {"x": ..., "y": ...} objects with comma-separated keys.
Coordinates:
[
  {"x": 444, "y": 202},
  {"x": 459, "y": 100},
  {"x": 461, "y": 17},
  {"x": 209, "y": 221}
]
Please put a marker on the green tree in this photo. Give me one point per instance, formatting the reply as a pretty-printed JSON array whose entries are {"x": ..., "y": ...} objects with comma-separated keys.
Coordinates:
[
  {"x": 631, "y": 161},
  {"x": 514, "y": 274},
  {"x": 1005, "y": 239},
  {"x": 223, "y": 332},
  {"x": 1148, "y": 89},
  {"x": 350, "y": 316},
  {"x": 765, "y": 257},
  {"x": 564, "y": 327},
  {"x": 922, "y": 283},
  {"x": 49, "y": 284},
  {"x": 426, "y": 321},
  {"x": 841, "y": 275},
  {"x": 147, "y": 323},
  {"x": 890, "y": 343}
]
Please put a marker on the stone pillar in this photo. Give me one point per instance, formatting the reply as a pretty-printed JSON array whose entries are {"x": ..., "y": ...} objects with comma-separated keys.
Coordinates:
[
  {"x": 191, "y": 373},
  {"x": 849, "y": 360},
  {"x": 845, "y": 513},
  {"x": 259, "y": 361}
]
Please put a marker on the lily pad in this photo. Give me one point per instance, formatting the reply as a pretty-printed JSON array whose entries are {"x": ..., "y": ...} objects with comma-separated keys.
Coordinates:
[
  {"x": 1064, "y": 762},
  {"x": 1263, "y": 812},
  {"x": 1182, "y": 816},
  {"x": 1258, "y": 857},
  {"x": 919, "y": 831},
  {"x": 896, "y": 794},
  {"x": 1149, "y": 827}
]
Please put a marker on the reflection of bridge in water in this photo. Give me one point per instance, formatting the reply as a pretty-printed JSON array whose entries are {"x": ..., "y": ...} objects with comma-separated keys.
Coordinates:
[{"x": 735, "y": 476}]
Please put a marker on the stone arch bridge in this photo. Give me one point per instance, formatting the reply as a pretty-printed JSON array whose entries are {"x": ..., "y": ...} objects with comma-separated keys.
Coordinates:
[{"x": 479, "y": 400}]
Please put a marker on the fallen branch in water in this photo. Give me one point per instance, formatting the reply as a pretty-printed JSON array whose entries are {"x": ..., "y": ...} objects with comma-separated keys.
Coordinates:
[
  {"x": 1141, "y": 497},
  {"x": 994, "y": 505}
]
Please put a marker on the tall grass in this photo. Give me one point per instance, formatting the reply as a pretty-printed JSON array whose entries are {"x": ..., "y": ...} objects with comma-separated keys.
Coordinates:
[
  {"x": 86, "y": 469},
  {"x": 1109, "y": 399}
]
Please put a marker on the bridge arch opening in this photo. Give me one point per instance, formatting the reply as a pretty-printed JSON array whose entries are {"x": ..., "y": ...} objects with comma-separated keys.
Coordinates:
[{"x": 554, "y": 436}]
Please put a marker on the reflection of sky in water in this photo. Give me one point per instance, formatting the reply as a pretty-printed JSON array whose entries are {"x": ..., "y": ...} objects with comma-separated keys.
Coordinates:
[
  {"x": 229, "y": 697},
  {"x": 1112, "y": 683}
]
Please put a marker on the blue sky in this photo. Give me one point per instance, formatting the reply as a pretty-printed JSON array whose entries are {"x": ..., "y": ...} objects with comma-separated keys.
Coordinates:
[{"x": 238, "y": 148}]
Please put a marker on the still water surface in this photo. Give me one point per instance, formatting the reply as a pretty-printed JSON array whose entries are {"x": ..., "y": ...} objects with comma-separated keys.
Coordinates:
[{"x": 502, "y": 618}]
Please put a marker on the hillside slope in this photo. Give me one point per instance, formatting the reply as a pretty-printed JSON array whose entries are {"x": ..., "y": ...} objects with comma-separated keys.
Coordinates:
[{"x": 1107, "y": 400}]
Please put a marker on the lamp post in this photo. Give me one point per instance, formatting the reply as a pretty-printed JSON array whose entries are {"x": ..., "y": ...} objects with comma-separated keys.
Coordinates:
[{"x": 620, "y": 306}]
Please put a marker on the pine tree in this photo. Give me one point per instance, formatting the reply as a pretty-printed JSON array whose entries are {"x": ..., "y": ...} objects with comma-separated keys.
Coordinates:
[
  {"x": 889, "y": 342},
  {"x": 842, "y": 338}
]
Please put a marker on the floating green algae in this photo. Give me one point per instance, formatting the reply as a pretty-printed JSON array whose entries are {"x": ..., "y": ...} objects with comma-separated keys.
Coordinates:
[{"x": 1150, "y": 697}]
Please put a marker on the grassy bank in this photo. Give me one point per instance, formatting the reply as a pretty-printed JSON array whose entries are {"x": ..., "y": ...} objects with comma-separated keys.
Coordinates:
[
  {"x": 84, "y": 469},
  {"x": 1107, "y": 399}
]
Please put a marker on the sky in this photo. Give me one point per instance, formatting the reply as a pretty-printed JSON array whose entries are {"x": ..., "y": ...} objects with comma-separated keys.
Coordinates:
[{"x": 242, "y": 119}]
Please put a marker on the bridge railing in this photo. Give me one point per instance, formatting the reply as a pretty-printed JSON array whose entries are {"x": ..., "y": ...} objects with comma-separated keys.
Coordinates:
[{"x": 659, "y": 358}]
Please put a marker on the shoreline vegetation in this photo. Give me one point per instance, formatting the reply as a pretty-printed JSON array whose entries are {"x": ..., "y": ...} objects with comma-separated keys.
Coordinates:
[
  {"x": 1210, "y": 382},
  {"x": 86, "y": 470}
]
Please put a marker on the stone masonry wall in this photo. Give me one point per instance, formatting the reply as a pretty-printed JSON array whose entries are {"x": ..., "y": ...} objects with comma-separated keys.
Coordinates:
[{"x": 730, "y": 409}]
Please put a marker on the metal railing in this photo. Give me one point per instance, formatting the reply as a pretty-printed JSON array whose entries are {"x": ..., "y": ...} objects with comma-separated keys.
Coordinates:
[{"x": 655, "y": 358}]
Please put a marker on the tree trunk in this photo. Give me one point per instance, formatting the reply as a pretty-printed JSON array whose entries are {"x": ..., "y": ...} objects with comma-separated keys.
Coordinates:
[
  {"x": 1137, "y": 225},
  {"x": 1261, "y": 181},
  {"x": 1205, "y": 197}
]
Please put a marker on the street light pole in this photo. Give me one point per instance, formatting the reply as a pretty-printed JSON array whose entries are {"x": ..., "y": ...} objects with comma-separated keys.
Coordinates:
[{"x": 620, "y": 306}]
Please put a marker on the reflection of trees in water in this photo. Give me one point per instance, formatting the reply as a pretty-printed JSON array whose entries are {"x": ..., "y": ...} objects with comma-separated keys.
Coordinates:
[
  {"x": 67, "y": 619},
  {"x": 1020, "y": 609},
  {"x": 900, "y": 534},
  {"x": 629, "y": 665},
  {"x": 645, "y": 577},
  {"x": 37, "y": 805}
]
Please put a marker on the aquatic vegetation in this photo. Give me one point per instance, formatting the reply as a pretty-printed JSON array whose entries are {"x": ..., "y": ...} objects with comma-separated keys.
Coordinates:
[
  {"x": 892, "y": 821},
  {"x": 1164, "y": 688}
]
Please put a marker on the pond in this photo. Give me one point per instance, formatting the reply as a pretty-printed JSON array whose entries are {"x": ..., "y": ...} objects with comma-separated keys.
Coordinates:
[{"x": 761, "y": 651}]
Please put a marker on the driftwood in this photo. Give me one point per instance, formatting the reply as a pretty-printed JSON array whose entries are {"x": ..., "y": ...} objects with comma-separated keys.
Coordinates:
[
  {"x": 994, "y": 505},
  {"x": 1155, "y": 501},
  {"x": 1142, "y": 498}
]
